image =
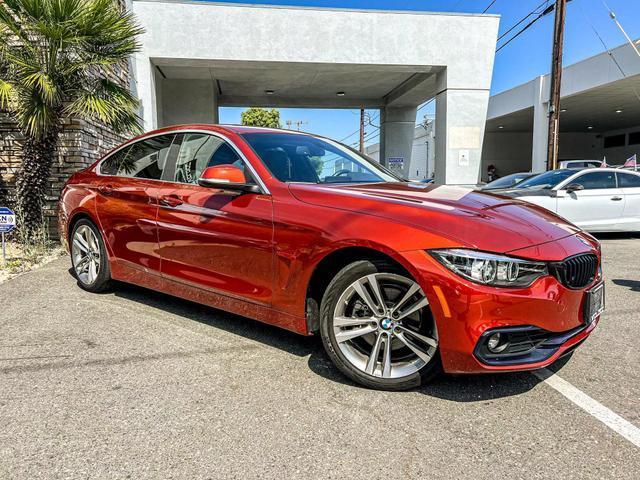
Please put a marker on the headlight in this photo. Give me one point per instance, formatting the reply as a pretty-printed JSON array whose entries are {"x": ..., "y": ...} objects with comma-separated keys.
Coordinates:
[{"x": 490, "y": 269}]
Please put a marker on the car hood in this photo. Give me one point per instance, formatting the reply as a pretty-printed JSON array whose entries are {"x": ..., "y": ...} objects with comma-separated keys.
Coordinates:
[{"x": 475, "y": 219}]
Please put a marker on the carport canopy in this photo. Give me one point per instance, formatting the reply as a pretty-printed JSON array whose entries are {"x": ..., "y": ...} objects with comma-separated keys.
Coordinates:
[
  {"x": 197, "y": 57},
  {"x": 600, "y": 100}
]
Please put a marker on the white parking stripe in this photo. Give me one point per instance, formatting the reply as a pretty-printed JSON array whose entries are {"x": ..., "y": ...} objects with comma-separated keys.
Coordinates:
[{"x": 611, "y": 419}]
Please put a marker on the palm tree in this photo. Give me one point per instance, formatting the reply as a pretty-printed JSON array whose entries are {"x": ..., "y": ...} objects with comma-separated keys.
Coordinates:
[{"x": 61, "y": 58}]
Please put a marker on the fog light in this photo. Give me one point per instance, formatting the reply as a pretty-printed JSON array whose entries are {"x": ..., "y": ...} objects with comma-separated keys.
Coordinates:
[{"x": 494, "y": 344}]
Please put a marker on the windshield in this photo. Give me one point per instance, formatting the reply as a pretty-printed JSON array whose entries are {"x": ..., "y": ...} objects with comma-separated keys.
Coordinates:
[
  {"x": 292, "y": 157},
  {"x": 507, "y": 181},
  {"x": 545, "y": 180}
]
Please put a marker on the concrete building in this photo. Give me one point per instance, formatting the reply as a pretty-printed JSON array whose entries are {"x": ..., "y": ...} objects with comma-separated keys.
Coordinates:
[
  {"x": 199, "y": 56},
  {"x": 600, "y": 115},
  {"x": 422, "y": 163}
]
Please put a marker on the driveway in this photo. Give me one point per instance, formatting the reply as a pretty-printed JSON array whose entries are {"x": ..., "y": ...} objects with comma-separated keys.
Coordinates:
[{"x": 136, "y": 384}]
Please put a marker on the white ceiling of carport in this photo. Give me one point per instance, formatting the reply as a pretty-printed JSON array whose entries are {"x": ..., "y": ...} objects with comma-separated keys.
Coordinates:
[{"x": 308, "y": 85}]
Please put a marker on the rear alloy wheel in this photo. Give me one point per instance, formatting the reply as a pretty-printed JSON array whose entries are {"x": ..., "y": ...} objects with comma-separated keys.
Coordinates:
[
  {"x": 378, "y": 328},
  {"x": 88, "y": 257}
]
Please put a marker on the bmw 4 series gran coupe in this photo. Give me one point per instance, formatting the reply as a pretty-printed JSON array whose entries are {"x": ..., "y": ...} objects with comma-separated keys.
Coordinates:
[{"x": 400, "y": 280}]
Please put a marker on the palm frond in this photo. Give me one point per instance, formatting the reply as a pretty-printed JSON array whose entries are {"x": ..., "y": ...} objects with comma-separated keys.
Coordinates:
[
  {"x": 43, "y": 84},
  {"x": 35, "y": 117},
  {"x": 109, "y": 103},
  {"x": 55, "y": 56},
  {"x": 7, "y": 94},
  {"x": 10, "y": 11}
]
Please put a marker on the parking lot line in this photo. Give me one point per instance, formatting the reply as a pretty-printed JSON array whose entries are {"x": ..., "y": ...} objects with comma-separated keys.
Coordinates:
[{"x": 611, "y": 419}]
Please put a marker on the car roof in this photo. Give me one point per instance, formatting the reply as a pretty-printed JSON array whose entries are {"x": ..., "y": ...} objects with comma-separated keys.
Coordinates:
[
  {"x": 220, "y": 128},
  {"x": 586, "y": 160},
  {"x": 602, "y": 169}
]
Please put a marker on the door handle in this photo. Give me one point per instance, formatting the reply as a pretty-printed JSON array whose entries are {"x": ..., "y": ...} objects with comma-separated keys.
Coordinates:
[
  {"x": 170, "y": 201},
  {"x": 105, "y": 189},
  {"x": 616, "y": 199}
]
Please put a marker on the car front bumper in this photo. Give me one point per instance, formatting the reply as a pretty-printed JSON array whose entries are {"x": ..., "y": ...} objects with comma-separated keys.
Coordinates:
[{"x": 465, "y": 313}]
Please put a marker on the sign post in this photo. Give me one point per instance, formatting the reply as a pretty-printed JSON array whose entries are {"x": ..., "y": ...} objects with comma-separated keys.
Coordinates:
[
  {"x": 396, "y": 164},
  {"x": 7, "y": 223}
]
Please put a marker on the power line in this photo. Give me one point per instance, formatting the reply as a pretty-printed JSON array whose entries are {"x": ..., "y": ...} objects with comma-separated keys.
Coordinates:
[
  {"x": 517, "y": 24},
  {"x": 608, "y": 50},
  {"x": 533, "y": 12},
  {"x": 358, "y": 130},
  {"x": 489, "y": 6},
  {"x": 615, "y": 19},
  {"x": 546, "y": 11}
]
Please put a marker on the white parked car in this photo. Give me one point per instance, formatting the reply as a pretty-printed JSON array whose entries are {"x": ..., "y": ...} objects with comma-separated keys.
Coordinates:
[
  {"x": 596, "y": 199},
  {"x": 573, "y": 164}
]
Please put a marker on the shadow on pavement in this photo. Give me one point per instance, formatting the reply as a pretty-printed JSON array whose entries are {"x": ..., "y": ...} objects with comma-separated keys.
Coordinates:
[
  {"x": 616, "y": 235},
  {"x": 456, "y": 388},
  {"x": 633, "y": 285}
]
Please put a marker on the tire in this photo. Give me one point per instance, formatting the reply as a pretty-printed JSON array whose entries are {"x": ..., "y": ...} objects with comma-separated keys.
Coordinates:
[
  {"x": 406, "y": 348},
  {"x": 89, "y": 259}
]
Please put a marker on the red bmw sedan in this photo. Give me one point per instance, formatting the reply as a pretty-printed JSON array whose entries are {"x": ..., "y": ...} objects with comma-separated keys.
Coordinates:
[{"x": 401, "y": 280}]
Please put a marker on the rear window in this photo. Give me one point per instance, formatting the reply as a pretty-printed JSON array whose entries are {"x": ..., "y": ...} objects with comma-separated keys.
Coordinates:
[
  {"x": 627, "y": 180},
  {"x": 144, "y": 159}
]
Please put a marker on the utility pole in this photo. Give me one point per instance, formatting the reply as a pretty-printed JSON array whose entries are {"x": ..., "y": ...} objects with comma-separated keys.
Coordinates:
[
  {"x": 556, "y": 80},
  {"x": 362, "y": 130}
]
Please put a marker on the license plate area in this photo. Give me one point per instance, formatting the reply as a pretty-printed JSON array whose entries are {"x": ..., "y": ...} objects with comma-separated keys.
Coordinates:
[{"x": 594, "y": 303}]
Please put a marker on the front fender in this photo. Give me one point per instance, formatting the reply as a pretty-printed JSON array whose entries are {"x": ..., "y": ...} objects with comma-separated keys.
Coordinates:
[{"x": 301, "y": 242}]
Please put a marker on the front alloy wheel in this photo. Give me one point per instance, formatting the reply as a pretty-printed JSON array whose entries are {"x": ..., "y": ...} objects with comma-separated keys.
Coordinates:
[{"x": 378, "y": 328}]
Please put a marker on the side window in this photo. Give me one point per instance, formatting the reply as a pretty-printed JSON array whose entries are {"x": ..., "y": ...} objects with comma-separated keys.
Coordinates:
[
  {"x": 199, "y": 151},
  {"x": 626, "y": 180},
  {"x": 143, "y": 159},
  {"x": 596, "y": 180},
  {"x": 111, "y": 165},
  {"x": 147, "y": 158}
]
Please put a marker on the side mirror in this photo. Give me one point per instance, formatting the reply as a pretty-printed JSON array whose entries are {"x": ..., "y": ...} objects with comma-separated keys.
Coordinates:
[
  {"x": 574, "y": 187},
  {"x": 226, "y": 177}
]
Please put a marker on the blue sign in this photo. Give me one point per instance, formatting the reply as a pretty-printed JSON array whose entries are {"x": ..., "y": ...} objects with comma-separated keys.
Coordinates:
[{"x": 7, "y": 220}]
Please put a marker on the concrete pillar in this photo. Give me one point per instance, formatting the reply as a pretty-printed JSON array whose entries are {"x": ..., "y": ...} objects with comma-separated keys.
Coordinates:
[
  {"x": 145, "y": 80},
  {"x": 189, "y": 101},
  {"x": 396, "y": 136},
  {"x": 460, "y": 120},
  {"x": 540, "y": 126}
]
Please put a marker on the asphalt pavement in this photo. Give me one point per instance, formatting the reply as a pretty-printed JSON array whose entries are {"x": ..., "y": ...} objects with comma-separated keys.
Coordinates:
[{"x": 136, "y": 384}]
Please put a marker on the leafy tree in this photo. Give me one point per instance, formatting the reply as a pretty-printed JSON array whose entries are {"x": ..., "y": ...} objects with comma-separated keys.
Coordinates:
[
  {"x": 60, "y": 58},
  {"x": 317, "y": 164},
  {"x": 261, "y": 117}
]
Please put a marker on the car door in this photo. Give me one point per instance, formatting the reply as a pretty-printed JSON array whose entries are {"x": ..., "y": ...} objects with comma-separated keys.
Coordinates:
[
  {"x": 598, "y": 206},
  {"x": 630, "y": 185},
  {"x": 127, "y": 201},
  {"x": 215, "y": 239}
]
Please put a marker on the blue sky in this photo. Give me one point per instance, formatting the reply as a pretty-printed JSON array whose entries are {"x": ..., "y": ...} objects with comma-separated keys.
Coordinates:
[{"x": 524, "y": 58}]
